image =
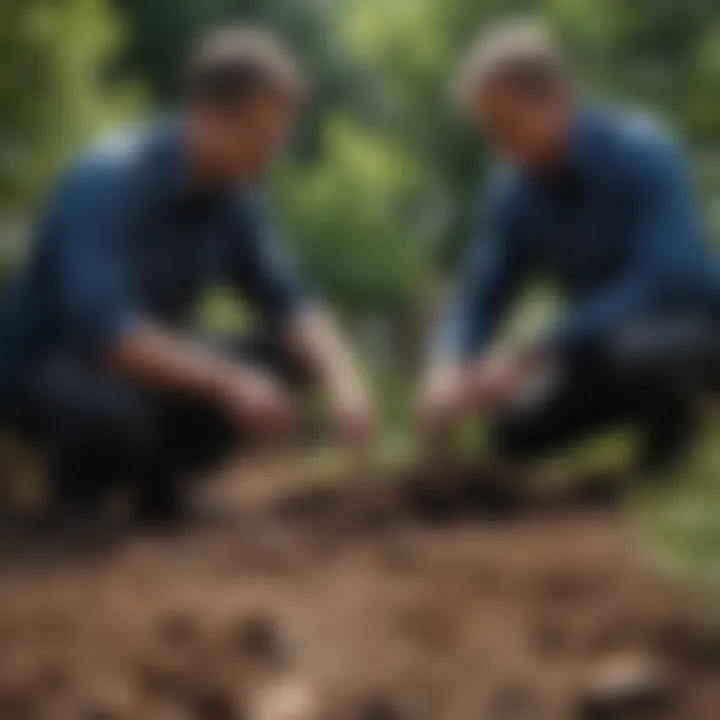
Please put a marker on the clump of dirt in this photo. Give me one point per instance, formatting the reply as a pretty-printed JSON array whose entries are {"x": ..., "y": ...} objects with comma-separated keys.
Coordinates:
[{"x": 441, "y": 594}]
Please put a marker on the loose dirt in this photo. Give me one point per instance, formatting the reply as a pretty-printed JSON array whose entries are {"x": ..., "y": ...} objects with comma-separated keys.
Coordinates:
[{"x": 437, "y": 596}]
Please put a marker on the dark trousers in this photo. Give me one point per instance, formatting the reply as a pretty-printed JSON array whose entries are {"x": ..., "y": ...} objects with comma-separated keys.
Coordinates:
[
  {"x": 100, "y": 430},
  {"x": 650, "y": 375}
]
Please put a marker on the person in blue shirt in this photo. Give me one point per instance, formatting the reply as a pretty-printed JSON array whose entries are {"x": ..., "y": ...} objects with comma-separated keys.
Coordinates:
[
  {"x": 598, "y": 200},
  {"x": 96, "y": 351}
]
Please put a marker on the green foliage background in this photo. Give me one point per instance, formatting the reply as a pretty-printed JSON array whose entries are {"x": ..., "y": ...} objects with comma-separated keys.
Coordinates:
[{"x": 378, "y": 186}]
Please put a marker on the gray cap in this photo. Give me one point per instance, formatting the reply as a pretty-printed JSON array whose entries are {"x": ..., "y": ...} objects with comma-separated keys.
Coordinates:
[
  {"x": 503, "y": 50},
  {"x": 256, "y": 51}
]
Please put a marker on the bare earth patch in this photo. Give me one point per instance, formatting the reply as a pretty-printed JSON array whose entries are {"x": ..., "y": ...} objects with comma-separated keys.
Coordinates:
[{"x": 439, "y": 596}]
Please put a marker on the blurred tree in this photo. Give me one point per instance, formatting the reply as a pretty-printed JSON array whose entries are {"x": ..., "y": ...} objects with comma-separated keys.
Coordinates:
[
  {"x": 383, "y": 171},
  {"x": 662, "y": 53},
  {"x": 358, "y": 219},
  {"x": 52, "y": 94}
]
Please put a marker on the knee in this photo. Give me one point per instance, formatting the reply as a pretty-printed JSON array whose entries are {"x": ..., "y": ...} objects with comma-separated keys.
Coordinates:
[
  {"x": 515, "y": 436},
  {"x": 124, "y": 427},
  {"x": 661, "y": 354}
]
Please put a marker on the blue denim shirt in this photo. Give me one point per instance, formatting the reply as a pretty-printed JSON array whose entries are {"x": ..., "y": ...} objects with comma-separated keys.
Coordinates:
[
  {"x": 615, "y": 227},
  {"x": 125, "y": 235}
]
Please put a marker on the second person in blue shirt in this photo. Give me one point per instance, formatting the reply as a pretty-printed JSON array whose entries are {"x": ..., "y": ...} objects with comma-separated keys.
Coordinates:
[{"x": 598, "y": 201}]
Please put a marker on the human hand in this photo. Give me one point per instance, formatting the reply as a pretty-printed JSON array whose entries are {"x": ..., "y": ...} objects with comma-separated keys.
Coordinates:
[
  {"x": 257, "y": 402},
  {"x": 352, "y": 415},
  {"x": 498, "y": 377},
  {"x": 441, "y": 400}
]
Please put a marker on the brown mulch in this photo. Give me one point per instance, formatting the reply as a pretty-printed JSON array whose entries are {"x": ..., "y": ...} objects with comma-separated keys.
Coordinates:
[{"x": 440, "y": 595}]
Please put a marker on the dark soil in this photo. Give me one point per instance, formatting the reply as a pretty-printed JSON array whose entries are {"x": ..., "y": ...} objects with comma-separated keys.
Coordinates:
[{"x": 440, "y": 596}]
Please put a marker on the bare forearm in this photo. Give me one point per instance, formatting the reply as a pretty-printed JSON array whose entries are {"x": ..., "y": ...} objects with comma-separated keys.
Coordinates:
[
  {"x": 159, "y": 358},
  {"x": 441, "y": 370},
  {"x": 318, "y": 343},
  {"x": 315, "y": 339}
]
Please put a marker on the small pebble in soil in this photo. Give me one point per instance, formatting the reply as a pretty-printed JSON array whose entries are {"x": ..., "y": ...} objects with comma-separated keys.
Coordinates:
[{"x": 630, "y": 687}]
